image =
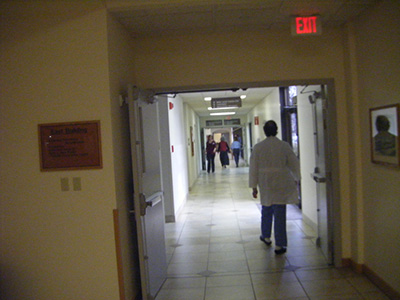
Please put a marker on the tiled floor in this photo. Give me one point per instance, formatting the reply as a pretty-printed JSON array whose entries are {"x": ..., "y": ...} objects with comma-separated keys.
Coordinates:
[{"x": 214, "y": 251}]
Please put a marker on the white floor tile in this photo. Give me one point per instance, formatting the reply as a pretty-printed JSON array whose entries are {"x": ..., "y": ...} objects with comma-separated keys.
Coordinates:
[
  {"x": 231, "y": 293},
  {"x": 329, "y": 287},
  {"x": 287, "y": 290},
  {"x": 230, "y": 280},
  {"x": 181, "y": 294},
  {"x": 274, "y": 278},
  {"x": 214, "y": 251}
]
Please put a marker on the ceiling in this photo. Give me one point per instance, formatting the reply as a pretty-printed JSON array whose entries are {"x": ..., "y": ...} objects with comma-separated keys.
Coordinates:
[
  {"x": 166, "y": 17},
  {"x": 147, "y": 18}
]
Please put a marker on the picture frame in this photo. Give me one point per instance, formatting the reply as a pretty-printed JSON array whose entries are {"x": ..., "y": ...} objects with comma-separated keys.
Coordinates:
[
  {"x": 385, "y": 135},
  {"x": 70, "y": 146}
]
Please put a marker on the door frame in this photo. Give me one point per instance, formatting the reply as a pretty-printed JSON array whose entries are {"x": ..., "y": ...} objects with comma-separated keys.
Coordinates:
[
  {"x": 318, "y": 98},
  {"x": 331, "y": 141}
]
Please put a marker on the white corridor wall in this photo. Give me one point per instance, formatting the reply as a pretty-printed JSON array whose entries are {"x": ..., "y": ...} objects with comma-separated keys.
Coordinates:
[{"x": 179, "y": 165}]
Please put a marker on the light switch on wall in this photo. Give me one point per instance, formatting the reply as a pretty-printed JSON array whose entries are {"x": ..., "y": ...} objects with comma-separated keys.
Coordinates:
[
  {"x": 64, "y": 184},
  {"x": 76, "y": 182}
]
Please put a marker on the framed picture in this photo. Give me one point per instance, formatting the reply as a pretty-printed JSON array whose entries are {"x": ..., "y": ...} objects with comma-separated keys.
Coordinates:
[
  {"x": 384, "y": 123},
  {"x": 70, "y": 146}
]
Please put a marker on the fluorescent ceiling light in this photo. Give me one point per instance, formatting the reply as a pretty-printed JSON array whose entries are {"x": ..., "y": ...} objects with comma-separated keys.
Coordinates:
[
  {"x": 207, "y": 98},
  {"x": 216, "y": 108},
  {"x": 223, "y": 113},
  {"x": 243, "y": 97}
]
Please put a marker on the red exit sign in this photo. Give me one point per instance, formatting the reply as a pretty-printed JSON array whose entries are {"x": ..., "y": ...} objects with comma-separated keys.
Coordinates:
[{"x": 310, "y": 25}]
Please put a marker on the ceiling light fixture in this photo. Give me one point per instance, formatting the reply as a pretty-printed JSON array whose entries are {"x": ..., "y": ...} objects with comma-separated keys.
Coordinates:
[
  {"x": 243, "y": 97},
  {"x": 207, "y": 98},
  {"x": 223, "y": 113}
]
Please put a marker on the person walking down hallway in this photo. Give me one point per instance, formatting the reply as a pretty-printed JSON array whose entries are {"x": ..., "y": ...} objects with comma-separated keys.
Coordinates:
[
  {"x": 223, "y": 149},
  {"x": 211, "y": 146},
  {"x": 236, "y": 146},
  {"x": 275, "y": 170}
]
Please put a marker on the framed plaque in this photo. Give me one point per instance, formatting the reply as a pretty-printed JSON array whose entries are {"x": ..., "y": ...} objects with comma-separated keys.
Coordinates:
[{"x": 70, "y": 146}]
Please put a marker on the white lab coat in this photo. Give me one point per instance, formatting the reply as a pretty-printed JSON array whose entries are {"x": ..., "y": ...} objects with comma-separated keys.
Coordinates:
[{"x": 274, "y": 169}]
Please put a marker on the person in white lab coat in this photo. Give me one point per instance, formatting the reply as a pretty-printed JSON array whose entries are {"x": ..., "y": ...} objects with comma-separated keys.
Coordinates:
[{"x": 275, "y": 170}]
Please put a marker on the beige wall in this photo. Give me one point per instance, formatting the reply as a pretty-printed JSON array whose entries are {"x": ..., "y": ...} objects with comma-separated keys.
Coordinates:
[
  {"x": 378, "y": 60},
  {"x": 55, "y": 67},
  {"x": 54, "y": 244},
  {"x": 121, "y": 72}
]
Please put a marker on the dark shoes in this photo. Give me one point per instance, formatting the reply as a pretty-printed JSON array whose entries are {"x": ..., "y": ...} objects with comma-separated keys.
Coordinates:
[
  {"x": 265, "y": 241},
  {"x": 280, "y": 250}
]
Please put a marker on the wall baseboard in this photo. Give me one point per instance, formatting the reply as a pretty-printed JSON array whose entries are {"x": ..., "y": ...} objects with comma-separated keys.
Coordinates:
[
  {"x": 386, "y": 288},
  {"x": 118, "y": 251},
  {"x": 310, "y": 223},
  {"x": 371, "y": 275},
  {"x": 349, "y": 263},
  {"x": 346, "y": 262},
  {"x": 169, "y": 219}
]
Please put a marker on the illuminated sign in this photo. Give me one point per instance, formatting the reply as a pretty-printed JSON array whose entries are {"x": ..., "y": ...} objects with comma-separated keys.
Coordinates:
[
  {"x": 226, "y": 102},
  {"x": 310, "y": 25}
]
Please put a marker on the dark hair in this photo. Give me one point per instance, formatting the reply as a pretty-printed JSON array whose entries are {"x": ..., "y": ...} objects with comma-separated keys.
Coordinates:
[
  {"x": 382, "y": 123},
  {"x": 270, "y": 128}
]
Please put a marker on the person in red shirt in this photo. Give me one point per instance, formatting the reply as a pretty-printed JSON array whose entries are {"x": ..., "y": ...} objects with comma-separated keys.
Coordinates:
[{"x": 223, "y": 149}]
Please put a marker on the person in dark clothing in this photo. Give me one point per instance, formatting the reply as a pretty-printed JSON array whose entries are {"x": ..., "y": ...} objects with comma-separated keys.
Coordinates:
[{"x": 211, "y": 146}]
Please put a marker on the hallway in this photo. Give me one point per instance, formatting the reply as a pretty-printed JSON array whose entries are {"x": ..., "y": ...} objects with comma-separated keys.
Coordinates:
[{"x": 214, "y": 251}]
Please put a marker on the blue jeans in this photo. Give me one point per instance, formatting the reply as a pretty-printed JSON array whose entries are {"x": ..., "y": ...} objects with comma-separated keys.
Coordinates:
[
  {"x": 276, "y": 213},
  {"x": 236, "y": 153}
]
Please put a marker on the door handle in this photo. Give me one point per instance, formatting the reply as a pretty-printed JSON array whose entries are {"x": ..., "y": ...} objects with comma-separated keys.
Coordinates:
[
  {"x": 143, "y": 204},
  {"x": 152, "y": 201},
  {"x": 318, "y": 178}
]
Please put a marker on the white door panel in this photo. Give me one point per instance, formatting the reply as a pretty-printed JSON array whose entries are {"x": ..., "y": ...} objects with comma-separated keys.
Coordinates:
[{"x": 148, "y": 191}]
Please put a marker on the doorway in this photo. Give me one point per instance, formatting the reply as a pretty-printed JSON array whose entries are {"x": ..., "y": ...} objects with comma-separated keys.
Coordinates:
[
  {"x": 327, "y": 136},
  {"x": 290, "y": 100}
]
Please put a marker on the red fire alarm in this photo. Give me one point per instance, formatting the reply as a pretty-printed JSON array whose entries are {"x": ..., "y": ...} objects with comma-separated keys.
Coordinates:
[
  {"x": 171, "y": 105},
  {"x": 256, "y": 120}
]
